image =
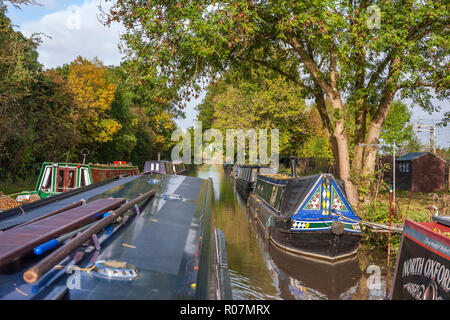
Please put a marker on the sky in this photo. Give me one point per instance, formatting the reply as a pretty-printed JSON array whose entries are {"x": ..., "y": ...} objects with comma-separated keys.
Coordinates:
[{"x": 72, "y": 28}]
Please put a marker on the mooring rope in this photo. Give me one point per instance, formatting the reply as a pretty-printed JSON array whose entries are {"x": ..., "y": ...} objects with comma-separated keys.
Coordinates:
[{"x": 372, "y": 225}]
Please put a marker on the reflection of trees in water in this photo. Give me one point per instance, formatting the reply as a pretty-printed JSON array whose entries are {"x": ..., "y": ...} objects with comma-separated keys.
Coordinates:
[{"x": 249, "y": 274}]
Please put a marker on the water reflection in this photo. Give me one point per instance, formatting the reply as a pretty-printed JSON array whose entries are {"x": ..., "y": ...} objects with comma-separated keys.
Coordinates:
[{"x": 260, "y": 271}]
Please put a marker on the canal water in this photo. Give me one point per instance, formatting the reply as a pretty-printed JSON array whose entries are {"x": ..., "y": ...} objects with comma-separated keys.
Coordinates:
[{"x": 260, "y": 271}]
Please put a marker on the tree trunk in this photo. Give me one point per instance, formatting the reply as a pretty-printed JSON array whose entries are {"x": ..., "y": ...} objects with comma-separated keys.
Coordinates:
[
  {"x": 321, "y": 107},
  {"x": 376, "y": 125},
  {"x": 344, "y": 161}
]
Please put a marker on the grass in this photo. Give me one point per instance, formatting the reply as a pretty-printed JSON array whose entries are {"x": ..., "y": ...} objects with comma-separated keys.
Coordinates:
[{"x": 417, "y": 205}]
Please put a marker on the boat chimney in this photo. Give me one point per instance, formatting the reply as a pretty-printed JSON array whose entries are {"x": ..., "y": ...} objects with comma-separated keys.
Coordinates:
[
  {"x": 293, "y": 164},
  {"x": 159, "y": 156}
]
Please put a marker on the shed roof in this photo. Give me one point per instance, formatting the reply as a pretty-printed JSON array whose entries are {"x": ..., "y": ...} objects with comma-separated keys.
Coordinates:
[{"x": 414, "y": 155}]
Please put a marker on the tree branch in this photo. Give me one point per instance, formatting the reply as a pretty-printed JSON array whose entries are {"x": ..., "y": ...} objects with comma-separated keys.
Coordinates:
[
  {"x": 278, "y": 70},
  {"x": 309, "y": 64}
]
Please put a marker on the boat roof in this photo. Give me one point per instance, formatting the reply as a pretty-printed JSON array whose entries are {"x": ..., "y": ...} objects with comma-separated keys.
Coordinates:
[
  {"x": 162, "y": 242},
  {"x": 88, "y": 164}
]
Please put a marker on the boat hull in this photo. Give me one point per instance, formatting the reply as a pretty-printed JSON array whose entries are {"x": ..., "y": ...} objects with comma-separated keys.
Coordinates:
[
  {"x": 322, "y": 245},
  {"x": 244, "y": 187}
]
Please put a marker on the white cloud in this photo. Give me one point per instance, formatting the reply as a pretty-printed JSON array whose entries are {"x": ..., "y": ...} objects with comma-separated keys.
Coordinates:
[{"x": 76, "y": 31}]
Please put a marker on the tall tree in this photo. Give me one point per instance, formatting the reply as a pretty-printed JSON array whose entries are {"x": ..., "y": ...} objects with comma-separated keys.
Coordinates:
[
  {"x": 94, "y": 96},
  {"x": 352, "y": 56},
  {"x": 18, "y": 70},
  {"x": 264, "y": 100}
]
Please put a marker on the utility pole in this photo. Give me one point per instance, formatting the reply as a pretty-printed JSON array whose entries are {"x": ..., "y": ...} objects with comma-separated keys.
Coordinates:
[
  {"x": 428, "y": 128},
  {"x": 393, "y": 161}
]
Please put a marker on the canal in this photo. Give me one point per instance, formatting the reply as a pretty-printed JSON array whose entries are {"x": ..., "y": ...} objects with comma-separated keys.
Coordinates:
[{"x": 260, "y": 271}]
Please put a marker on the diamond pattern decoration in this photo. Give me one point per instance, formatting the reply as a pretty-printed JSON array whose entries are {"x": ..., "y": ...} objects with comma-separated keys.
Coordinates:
[
  {"x": 337, "y": 204},
  {"x": 300, "y": 224},
  {"x": 314, "y": 202}
]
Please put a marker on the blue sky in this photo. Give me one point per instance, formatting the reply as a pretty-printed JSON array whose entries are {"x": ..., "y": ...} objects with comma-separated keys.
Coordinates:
[{"x": 75, "y": 30}]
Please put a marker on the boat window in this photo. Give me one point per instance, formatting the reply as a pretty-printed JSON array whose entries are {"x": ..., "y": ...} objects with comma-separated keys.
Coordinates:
[
  {"x": 60, "y": 180},
  {"x": 152, "y": 167},
  {"x": 71, "y": 179},
  {"x": 84, "y": 179},
  {"x": 273, "y": 196},
  {"x": 47, "y": 180},
  {"x": 157, "y": 167}
]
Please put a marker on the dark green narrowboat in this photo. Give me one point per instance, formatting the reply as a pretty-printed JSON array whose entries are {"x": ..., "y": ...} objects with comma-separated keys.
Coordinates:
[{"x": 309, "y": 216}]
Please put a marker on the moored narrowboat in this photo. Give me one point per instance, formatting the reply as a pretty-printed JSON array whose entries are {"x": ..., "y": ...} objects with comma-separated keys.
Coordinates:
[
  {"x": 246, "y": 177},
  {"x": 178, "y": 166},
  {"x": 308, "y": 216},
  {"x": 423, "y": 264},
  {"x": 164, "y": 167},
  {"x": 57, "y": 177}
]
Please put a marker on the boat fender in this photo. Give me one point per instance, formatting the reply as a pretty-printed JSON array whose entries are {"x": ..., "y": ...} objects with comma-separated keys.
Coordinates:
[{"x": 337, "y": 227}]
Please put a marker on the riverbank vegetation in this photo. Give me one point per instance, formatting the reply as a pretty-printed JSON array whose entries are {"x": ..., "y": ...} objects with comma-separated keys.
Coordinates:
[{"x": 52, "y": 114}]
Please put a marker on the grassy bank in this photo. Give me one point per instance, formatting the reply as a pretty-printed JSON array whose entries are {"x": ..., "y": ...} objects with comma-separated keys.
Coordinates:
[{"x": 416, "y": 206}]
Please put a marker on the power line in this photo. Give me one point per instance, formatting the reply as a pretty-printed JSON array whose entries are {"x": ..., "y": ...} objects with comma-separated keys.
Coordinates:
[{"x": 427, "y": 128}]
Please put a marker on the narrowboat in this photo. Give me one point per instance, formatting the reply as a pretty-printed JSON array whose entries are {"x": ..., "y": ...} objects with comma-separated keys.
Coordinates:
[
  {"x": 422, "y": 271},
  {"x": 309, "y": 216},
  {"x": 164, "y": 167},
  {"x": 246, "y": 178},
  {"x": 120, "y": 239},
  {"x": 57, "y": 177}
]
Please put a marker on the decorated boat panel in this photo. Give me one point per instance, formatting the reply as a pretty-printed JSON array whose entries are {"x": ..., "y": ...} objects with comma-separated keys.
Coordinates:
[
  {"x": 325, "y": 204},
  {"x": 423, "y": 264}
]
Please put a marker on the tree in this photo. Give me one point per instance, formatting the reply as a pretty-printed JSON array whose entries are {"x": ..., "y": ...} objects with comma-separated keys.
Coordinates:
[
  {"x": 50, "y": 118},
  {"x": 264, "y": 100},
  {"x": 18, "y": 70},
  {"x": 349, "y": 64},
  {"x": 317, "y": 144},
  {"x": 94, "y": 96},
  {"x": 397, "y": 127}
]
